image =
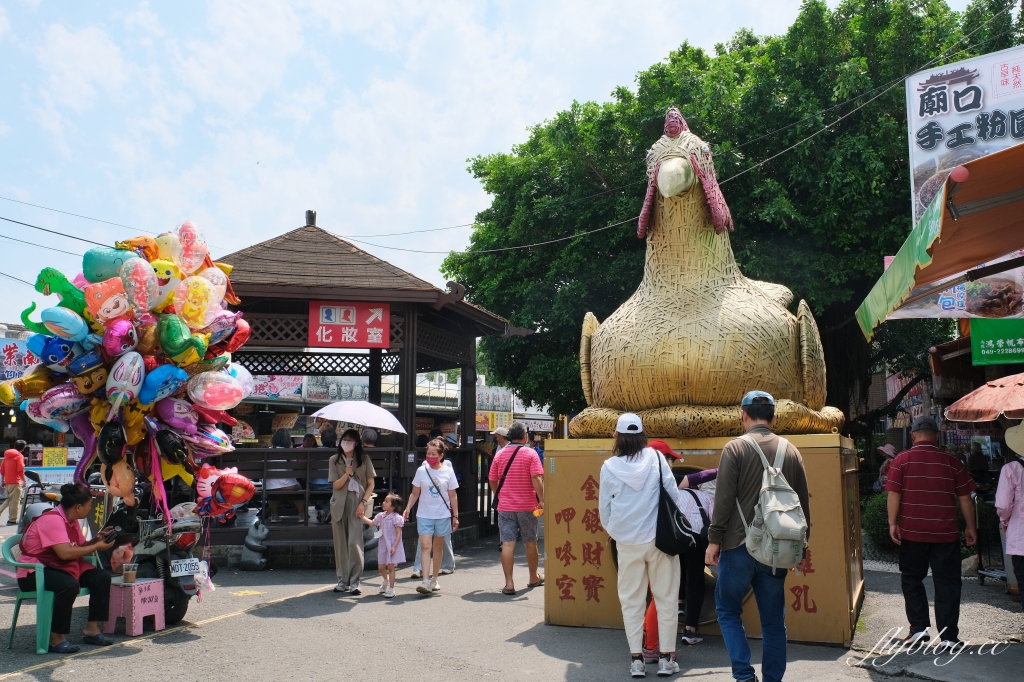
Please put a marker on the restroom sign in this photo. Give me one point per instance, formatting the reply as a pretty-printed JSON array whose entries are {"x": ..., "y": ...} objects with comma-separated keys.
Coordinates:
[{"x": 334, "y": 324}]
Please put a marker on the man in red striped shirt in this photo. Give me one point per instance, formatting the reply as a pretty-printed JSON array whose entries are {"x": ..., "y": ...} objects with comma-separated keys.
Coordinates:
[
  {"x": 517, "y": 478},
  {"x": 925, "y": 483}
]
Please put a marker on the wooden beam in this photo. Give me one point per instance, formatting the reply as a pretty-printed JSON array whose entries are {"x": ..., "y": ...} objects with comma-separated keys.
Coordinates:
[
  {"x": 407, "y": 377},
  {"x": 468, "y": 408}
]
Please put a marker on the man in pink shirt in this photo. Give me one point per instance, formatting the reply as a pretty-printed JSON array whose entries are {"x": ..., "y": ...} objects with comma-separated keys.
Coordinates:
[
  {"x": 517, "y": 479},
  {"x": 1010, "y": 504},
  {"x": 13, "y": 469}
]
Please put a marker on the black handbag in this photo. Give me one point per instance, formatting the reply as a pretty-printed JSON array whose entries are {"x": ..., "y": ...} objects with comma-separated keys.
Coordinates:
[{"x": 673, "y": 534}]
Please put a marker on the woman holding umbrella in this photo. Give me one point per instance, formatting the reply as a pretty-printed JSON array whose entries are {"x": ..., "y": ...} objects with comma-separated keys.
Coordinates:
[{"x": 351, "y": 474}]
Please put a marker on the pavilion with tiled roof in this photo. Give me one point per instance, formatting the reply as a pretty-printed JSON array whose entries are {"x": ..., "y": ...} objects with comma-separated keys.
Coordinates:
[
  {"x": 280, "y": 282},
  {"x": 276, "y": 279}
]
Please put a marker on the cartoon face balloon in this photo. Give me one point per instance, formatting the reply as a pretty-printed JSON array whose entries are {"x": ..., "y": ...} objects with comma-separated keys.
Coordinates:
[
  {"x": 65, "y": 323},
  {"x": 119, "y": 338},
  {"x": 140, "y": 284},
  {"x": 107, "y": 300},
  {"x": 168, "y": 279},
  {"x": 162, "y": 382},
  {"x": 216, "y": 390},
  {"x": 178, "y": 414},
  {"x": 31, "y": 408},
  {"x": 171, "y": 447},
  {"x": 222, "y": 327},
  {"x": 111, "y": 443},
  {"x": 92, "y": 380},
  {"x": 126, "y": 377},
  {"x": 191, "y": 248},
  {"x": 219, "y": 281},
  {"x": 193, "y": 303},
  {"x": 54, "y": 352}
]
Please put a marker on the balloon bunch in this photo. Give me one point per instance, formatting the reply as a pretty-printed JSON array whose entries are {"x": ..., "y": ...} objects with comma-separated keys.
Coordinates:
[{"x": 135, "y": 359}]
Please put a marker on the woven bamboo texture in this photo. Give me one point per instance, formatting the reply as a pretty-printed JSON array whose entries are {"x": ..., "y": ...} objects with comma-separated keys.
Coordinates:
[
  {"x": 697, "y": 421},
  {"x": 697, "y": 334}
]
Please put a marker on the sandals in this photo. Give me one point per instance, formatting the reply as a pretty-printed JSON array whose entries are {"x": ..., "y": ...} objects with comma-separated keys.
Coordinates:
[
  {"x": 536, "y": 584},
  {"x": 99, "y": 639},
  {"x": 64, "y": 647},
  {"x": 507, "y": 591}
]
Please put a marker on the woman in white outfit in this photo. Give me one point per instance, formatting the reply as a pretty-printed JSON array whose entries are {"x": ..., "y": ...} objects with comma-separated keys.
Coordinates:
[{"x": 630, "y": 484}]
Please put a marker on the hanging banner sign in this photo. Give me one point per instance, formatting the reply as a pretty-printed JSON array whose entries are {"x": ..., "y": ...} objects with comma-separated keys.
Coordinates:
[
  {"x": 349, "y": 325},
  {"x": 997, "y": 342},
  {"x": 15, "y": 359},
  {"x": 1000, "y": 296},
  {"x": 960, "y": 112}
]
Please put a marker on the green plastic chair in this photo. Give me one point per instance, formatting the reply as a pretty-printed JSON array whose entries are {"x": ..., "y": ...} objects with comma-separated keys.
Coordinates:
[{"x": 44, "y": 604}]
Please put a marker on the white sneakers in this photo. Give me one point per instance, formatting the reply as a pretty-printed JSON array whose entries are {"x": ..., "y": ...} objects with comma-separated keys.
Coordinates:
[
  {"x": 383, "y": 588},
  {"x": 637, "y": 668},
  {"x": 390, "y": 592},
  {"x": 428, "y": 586},
  {"x": 416, "y": 575},
  {"x": 667, "y": 666},
  {"x": 341, "y": 586}
]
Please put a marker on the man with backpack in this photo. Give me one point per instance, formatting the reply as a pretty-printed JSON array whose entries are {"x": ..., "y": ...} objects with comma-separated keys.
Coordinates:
[
  {"x": 517, "y": 479},
  {"x": 754, "y": 549}
]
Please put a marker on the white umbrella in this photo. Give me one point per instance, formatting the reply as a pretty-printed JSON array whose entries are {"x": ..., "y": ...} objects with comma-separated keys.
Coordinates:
[{"x": 360, "y": 412}]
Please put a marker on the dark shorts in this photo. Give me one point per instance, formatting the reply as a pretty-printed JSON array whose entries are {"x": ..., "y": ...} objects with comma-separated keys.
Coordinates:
[{"x": 513, "y": 526}]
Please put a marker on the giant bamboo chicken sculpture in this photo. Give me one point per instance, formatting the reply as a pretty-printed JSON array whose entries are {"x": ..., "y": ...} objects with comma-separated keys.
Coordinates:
[{"x": 697, "y": 334}]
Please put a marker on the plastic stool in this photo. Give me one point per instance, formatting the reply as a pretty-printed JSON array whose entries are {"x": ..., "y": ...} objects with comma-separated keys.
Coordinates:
[{"x": 133, "y": 602}]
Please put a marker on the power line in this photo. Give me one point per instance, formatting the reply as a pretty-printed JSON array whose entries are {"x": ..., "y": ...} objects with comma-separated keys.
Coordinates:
[
  {"x": 40, "y": 246},
  {"x": 62, "y": 234},
  {"x": 17, "y": 279},
  {"x": 77, "y": 215},
  {"x": 507, "y": 248}
]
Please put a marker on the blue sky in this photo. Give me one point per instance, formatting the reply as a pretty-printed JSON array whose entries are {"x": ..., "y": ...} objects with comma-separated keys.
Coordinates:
[{"x": 241, "y": 115}]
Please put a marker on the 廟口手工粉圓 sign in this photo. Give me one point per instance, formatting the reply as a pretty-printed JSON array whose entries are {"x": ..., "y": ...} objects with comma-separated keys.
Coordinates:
[
  {"x": 349, "y": 325},
  {"x": 960, "y": 112}
]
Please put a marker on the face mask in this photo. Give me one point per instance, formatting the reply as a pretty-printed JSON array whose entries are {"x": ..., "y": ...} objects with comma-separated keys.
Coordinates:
[
  {"x": 433, "y": 460},
  {"x": 348, "y": 446}
]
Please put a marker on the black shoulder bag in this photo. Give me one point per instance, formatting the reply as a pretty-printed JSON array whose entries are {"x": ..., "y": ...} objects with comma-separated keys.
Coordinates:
[
  {"x": 673, "y": 534},
  {"x": 501, "y": 481}
]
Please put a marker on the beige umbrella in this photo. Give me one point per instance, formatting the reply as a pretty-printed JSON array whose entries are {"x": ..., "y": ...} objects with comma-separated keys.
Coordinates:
[{"x": 998, "y": 397}]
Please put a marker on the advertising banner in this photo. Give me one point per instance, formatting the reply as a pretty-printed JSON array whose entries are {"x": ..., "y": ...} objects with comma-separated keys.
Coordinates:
[
  {"x": 1000, "y": 296},
  {"x": 997, "y": 342},
  {"x": 333, "y": 324},
  {"x": 55, "y": 457},
  {"x": 15, "y": 358},
  {"x": 333, "y": 389},
  {"x": 277, "y": 387},
  {"x": 493, "y": 399},
  {"x": 960, "y": 112}
]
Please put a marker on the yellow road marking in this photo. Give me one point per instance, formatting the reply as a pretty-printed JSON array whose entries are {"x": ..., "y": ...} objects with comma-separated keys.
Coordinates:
[
  {"x": 152, "y": 635},
  {"x": 247, "y": 593}
]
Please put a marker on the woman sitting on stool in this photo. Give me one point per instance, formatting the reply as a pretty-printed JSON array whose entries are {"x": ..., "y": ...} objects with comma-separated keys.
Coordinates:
[{"x": 55, "y": 540}]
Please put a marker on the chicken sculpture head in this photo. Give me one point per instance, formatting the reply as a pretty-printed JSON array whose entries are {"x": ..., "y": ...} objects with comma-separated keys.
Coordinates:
[{"x": 697, "y": 335}]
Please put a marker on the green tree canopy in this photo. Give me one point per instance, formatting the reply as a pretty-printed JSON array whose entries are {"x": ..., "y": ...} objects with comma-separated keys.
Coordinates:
[{"x": 818, "y": 217}]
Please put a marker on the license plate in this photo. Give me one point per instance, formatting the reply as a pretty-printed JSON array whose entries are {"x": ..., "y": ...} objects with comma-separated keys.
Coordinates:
[{"x": 180, "y": 567}]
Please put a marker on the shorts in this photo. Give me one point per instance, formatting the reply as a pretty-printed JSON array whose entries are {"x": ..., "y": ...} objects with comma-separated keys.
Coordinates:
[
  {"x": 513, "y": 526},
  {"x": 436, "y": 527}
]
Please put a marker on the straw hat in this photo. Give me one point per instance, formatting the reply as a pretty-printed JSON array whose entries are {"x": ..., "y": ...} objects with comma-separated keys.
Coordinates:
[{"x": 1014, "y": 437}]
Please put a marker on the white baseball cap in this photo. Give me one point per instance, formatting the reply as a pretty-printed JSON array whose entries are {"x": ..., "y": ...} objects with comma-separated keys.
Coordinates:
[{"x": 629, "y": 423}]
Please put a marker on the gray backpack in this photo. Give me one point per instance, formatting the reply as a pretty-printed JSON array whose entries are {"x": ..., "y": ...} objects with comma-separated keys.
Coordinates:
[{"x": 777, "y": 535}]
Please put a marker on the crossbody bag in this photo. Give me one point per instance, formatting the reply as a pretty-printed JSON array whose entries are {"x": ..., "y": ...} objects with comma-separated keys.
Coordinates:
[
  {"x": 444, "y": 496},
  {"x": 501, "y": 481}
]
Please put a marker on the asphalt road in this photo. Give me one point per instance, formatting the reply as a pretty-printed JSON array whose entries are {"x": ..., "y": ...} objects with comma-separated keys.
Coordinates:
[{"x": 289, "y": 625}]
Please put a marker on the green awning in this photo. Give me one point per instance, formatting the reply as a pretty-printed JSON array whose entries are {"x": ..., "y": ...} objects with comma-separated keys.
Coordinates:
[
  {"x": 899, "y": 279},
  {"x": 977, "y": 222}
]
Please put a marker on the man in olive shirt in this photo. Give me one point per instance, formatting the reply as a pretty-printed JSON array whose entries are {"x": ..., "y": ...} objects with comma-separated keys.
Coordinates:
[{"x": 740, "y": 473}]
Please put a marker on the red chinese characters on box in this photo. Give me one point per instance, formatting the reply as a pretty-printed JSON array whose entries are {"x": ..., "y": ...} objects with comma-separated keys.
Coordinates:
[{"x": 349, "y": 325}]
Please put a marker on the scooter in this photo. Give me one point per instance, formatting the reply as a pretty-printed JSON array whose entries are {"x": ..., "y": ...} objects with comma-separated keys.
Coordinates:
[
  {"x": 167, "y": 554},
  {"x": 47, "y": 496}
]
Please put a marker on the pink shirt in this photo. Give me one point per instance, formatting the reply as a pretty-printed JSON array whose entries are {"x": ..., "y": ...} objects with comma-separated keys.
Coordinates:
[
  {"x": 517, "y": 493},
  {"x": 1010, "y": 506},
  {"x": 52, "y": 528}
]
